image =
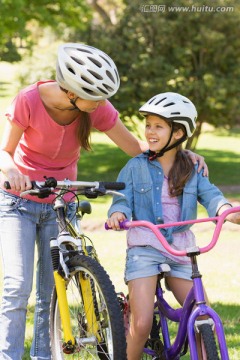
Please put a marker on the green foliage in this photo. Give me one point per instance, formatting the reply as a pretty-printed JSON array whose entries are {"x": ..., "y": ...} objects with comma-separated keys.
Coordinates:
[
  {"x": 17, "y": 26},
  {"x": 196, "y": 53}
]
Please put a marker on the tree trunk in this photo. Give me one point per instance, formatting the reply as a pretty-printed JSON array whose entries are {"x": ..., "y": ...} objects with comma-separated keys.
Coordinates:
[{"x": 192, "y": 141}]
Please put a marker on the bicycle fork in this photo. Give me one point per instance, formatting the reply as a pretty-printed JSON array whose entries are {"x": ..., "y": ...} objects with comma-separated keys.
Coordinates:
[
  {"x": 202, "y": 309},
  {"x": 70, "y": 342}
]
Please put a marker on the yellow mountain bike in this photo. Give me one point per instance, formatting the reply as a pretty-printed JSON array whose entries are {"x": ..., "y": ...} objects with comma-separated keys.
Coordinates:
[{"x": 86, "y": 320}]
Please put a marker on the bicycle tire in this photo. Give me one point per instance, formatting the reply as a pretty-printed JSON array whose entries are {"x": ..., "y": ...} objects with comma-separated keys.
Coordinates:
[
  {"x": 107, "y": 311},
  {"x": 208, "y": 338}
]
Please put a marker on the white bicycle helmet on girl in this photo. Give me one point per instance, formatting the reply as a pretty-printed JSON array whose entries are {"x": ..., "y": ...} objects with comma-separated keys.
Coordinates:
[
  {"x": 86, "y": 71},
  {"x": 172, "y": 106}
]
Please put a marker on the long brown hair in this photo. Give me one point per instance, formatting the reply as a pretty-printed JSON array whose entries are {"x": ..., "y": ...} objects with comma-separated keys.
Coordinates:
[
  {"x": 182, "y": 168},
  {"x": 84, "y": 130}
]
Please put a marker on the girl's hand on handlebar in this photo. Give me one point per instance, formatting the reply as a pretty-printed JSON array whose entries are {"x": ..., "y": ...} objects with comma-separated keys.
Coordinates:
[
  {"x": 113, "y": 221},
  {"x": 18, "y": 181},
  {"x": 232, "y": 217}
]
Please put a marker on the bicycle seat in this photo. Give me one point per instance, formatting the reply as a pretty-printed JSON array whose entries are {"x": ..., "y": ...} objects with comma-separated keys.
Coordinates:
[{"x": 164, "y": 268}]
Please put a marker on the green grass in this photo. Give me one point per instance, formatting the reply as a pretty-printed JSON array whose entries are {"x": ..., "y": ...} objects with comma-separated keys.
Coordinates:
[{"x": 221, "y": 151}]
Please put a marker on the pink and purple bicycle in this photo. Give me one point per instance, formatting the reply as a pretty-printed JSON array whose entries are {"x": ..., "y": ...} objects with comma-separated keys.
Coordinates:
[{"x": 160, "y": 345}]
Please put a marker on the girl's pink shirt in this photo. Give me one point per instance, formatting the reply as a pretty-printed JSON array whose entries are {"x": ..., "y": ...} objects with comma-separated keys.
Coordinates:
[{"x": 47, "y": 148}]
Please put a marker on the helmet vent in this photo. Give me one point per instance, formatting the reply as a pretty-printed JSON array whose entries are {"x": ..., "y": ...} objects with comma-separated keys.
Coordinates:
[
  {"x": 110, "y": 76},
  {"x": 169, "y": 104},
  {"x": 84, "y": 50},
  {"x": 88, "y": 91},
  {"x": 105, "y": 59},
  {"x": 96, "y": 62},
  {"x": 102, "y": 90},
  {"x": 79, "y": 61},
  {"x": 175, "y": 113},
  {"x": 109, "y": 88},
  {"x": 116, "y": 73},
  {"x": 71, "y": 70},
  {"x": 158, "y": 102},
  {"x": 187, "y": 102},
  {"x": 87, "y": 80},
  {"x": 152, "y": 100},
  {"x": 96, "y": 75}
]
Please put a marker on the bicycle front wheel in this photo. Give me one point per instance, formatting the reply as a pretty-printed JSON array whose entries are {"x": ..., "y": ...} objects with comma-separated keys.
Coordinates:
[
  {"x": 97, "y": 324},
  {"x": 208, "y": 337}
]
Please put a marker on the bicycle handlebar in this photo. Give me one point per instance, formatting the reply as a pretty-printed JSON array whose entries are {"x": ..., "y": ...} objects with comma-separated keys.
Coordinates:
[
  {"x": 87, "y": 188},
  {"x": 125, "y": 225}
]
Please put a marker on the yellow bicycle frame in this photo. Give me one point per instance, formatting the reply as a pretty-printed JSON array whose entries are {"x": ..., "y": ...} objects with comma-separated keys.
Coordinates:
[{"x": 88, "y": 301}]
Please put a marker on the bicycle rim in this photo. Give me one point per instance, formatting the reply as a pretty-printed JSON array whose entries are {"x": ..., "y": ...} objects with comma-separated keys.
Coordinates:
[{"x": 109, "y": 343}]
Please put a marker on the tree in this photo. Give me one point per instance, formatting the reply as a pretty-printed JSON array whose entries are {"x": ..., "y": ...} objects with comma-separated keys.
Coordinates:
[
  {"x": 17, "y": 16},
  {"x": 196, "y": 53}
]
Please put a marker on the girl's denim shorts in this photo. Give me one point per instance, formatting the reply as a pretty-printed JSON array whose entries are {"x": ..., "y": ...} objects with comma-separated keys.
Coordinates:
[{"x": 144, "y": 261}]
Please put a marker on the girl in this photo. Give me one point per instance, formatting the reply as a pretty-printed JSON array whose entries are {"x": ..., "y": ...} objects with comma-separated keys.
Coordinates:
[{"x": 162, "y": 186}]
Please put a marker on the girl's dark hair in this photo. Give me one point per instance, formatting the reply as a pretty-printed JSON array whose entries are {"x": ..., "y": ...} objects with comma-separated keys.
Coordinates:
[{"x": 182, "y": 168}]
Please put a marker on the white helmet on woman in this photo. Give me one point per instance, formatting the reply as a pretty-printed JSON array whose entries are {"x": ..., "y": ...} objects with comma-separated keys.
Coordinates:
[
  {"x": 173, "y": 106},
  {"x": 86, "y": 71}
]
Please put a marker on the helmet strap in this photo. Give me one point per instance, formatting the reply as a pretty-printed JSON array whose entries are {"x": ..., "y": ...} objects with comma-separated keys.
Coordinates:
[
  {"x": 152, "y": 155},
  {"x": 73, "y": 102}
]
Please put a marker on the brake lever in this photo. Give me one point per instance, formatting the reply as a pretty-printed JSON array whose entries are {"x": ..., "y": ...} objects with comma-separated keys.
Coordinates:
[
  {"x": 39, "y": 192},
  {"x": 113, "y": 192},
  {"x": 93, "y": 193}
]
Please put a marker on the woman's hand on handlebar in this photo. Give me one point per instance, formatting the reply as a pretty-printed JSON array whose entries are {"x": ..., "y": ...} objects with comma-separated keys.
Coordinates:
[
  {"x": 18, "y": 181},
  {"x": 113, "y": 221}
]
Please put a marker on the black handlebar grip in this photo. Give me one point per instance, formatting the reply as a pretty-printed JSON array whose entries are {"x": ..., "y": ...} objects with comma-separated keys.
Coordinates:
[
  {"x": 7, "y": 185},
  {"x": 113, "y": 185}
]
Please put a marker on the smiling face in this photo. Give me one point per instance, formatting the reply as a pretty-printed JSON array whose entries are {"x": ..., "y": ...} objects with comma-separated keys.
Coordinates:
[{"x": 158, "y": 131}]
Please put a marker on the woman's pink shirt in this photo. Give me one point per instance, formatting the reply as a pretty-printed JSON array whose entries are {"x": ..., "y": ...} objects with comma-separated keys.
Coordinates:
[{"x": 47, "y": 148}]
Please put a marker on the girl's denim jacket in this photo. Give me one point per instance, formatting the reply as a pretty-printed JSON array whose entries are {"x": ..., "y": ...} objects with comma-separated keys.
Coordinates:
[{"x": 144, "y": 180}]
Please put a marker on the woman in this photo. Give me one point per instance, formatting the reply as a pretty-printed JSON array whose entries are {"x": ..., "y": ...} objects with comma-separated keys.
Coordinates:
[{"x": 47, "y": 124}]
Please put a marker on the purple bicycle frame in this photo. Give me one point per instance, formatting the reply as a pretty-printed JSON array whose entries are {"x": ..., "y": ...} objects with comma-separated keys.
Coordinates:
[{"x": 185, "y": 316}]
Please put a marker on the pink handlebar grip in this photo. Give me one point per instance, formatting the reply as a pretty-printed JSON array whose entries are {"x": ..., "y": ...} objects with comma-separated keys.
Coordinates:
[{"x": 123, "y": 225}]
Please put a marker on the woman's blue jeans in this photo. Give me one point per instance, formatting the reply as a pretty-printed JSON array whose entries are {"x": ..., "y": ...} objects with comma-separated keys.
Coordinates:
[{"x": 24, "y": 223}]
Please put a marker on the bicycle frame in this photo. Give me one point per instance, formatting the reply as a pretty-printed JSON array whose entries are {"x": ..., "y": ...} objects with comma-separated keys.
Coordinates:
[
  {"x": 73, "y": 238},
  {"x": 76, "y": 268},
  {"x": 187, "y": 316}
]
